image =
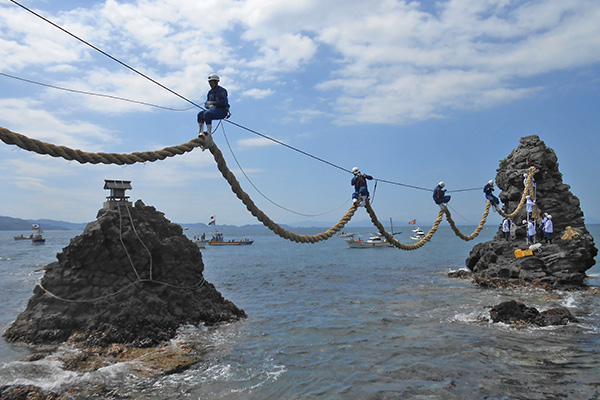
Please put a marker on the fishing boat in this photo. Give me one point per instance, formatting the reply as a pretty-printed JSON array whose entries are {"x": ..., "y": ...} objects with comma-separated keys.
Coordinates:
[
  {"x": 37, "y": 237},
  {"x": 375, "y": 240},
  {"x": 23, "y": 237},
  {"x": 344, "y": 234},
  {"x": 218, "y": 240},
  {"x": 417, "y": 234}
]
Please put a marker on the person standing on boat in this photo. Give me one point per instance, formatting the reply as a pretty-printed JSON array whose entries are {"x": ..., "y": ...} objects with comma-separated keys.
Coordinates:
[
  {"x": 488, "y": 189},
  {"x": 216, "y": 103},
  {"x": 439, "y": 195},
  {"x": 359, "y": 181}
]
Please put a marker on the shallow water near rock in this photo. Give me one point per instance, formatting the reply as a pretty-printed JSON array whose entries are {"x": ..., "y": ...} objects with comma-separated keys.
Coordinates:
[{"x": 329, "y": 322}]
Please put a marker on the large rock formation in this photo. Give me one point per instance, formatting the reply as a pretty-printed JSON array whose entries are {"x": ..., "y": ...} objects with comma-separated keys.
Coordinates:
[
  {"x": 561, "y": 263},
  {"x": 132, "y": 277}
]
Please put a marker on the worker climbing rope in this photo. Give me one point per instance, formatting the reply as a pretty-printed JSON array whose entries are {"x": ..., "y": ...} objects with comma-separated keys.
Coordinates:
[
  {"x": 488, "y": 189},
  {"x": 359, "y": 181}
]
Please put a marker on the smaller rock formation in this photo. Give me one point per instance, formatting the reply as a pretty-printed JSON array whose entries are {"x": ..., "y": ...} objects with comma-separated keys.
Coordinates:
[
  {"x": 516, "y": 313},
  {"x": 131, "y": 277},
  {"x": 563, "y": 262}
]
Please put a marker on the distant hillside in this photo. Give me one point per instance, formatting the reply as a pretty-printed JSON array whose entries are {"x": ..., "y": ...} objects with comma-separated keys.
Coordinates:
[{"x": 17, "y": 224}]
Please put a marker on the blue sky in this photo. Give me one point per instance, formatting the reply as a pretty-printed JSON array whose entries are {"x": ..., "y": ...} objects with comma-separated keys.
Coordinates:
[{"x": 410, "y": 92}]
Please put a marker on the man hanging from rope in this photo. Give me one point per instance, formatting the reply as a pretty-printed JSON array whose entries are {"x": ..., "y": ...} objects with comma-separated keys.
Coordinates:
[
  {"x": 488, "y": 189},
  {"x": 359, "y": 181},
  {"x": 216, "y": 103},
  {"x": 439, "y": 195}
]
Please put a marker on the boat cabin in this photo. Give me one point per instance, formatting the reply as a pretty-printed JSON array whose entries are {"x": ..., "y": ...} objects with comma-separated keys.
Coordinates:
[{"x": 117, "y": 193}]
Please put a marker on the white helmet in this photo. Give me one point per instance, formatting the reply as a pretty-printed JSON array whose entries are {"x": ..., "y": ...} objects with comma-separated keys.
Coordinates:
[
  {"x": 524, "y": 175},
  {"x": 549, "y": 216},
  {"x": 213, "y": 77},
  {"x": 491, "y": 182},
  {"x": 355, "y": 171},
  {"x": 441, "y": 184},
  {"x": 528, "y": 197},
  {"x": 524, "y": 221}
]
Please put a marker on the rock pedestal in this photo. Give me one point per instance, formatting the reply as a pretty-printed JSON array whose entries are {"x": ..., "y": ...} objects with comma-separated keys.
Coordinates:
[
  {"x": 131, "y": 277},
  {"x": 561, "y": 263}
]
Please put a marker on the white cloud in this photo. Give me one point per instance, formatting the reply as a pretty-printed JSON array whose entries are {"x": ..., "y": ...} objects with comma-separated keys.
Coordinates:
[
  {"x": 387, "y": 62},
  {"x": 258, "y": 93},
  {"x": 43, "y": 125},
  {"x": 254, "y": 142}
]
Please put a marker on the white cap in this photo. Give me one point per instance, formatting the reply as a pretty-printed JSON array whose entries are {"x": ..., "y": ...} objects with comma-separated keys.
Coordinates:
[{"x": 441, "y": 184}]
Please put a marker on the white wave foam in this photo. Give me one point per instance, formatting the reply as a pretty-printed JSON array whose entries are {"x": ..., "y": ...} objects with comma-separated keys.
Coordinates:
[{"x": 571, "y": 301}]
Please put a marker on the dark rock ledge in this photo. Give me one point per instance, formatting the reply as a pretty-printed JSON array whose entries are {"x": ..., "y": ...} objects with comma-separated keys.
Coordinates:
[{"x": 119, "y": 292}]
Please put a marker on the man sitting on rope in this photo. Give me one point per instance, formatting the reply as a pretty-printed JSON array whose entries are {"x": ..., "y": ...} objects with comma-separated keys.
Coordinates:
[
  {"x": 439, "y": 195},
  {"x": 216, "y": 104},
  {"x": 359, "y": 181},
  {"x": 488, "y": 189}
]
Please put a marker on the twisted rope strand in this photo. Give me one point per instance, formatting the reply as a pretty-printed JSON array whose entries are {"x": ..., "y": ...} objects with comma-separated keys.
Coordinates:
[
  {"x": 261, "y": 216},
  {"x": 37, "y": 146}
]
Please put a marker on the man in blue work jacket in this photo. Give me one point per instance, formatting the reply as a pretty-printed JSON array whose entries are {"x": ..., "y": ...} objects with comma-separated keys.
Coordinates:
[{"x": 217, "y": 105}]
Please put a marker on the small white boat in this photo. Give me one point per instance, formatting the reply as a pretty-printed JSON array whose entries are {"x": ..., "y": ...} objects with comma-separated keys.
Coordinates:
[
  {"x": 344, "y": 234},
  {"x": 201, "y": 243},
  {"x": 374, "y": 241},
  {"x": 417, "y": 234}
]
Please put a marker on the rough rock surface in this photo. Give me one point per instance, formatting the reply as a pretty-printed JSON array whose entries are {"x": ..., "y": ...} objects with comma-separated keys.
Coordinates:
[
  {"x": 561, "y": 263},
  {"x": 27, "y": 392},
  {"x": 514, "y": 312},
  {"x": 131, "y": 277}
]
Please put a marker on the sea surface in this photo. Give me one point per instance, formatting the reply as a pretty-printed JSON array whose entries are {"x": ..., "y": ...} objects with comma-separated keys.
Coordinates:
[{"x": 329, "y": 322}]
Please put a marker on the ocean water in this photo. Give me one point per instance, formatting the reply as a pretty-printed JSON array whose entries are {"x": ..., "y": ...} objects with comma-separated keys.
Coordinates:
[{"x": 329, "y": 322}]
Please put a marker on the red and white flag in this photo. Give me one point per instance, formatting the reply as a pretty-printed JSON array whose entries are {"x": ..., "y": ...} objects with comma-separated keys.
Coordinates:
[
  {"x": 212, "y": 220},
  {"x": 35, "y": 226},
  {"x": 413, "y": 222}
]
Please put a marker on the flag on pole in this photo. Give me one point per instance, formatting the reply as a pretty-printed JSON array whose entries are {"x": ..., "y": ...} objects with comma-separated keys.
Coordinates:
[
  {"x": 35, "y": 226},
  {"x": 212, "y": 220},
  {"x": 413, "y": 222}
]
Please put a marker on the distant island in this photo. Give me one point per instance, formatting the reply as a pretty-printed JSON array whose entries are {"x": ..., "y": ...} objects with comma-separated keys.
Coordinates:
[{"x": 18, "y": 224}]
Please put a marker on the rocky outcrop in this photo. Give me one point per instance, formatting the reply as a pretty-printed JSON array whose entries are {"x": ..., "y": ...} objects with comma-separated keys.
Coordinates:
[
  {"x": 516, "y": 313},
  {"x": 561, "y": 263},
  {"x": 131, "y": 277},
  {"x": 28, "y": 392}
]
